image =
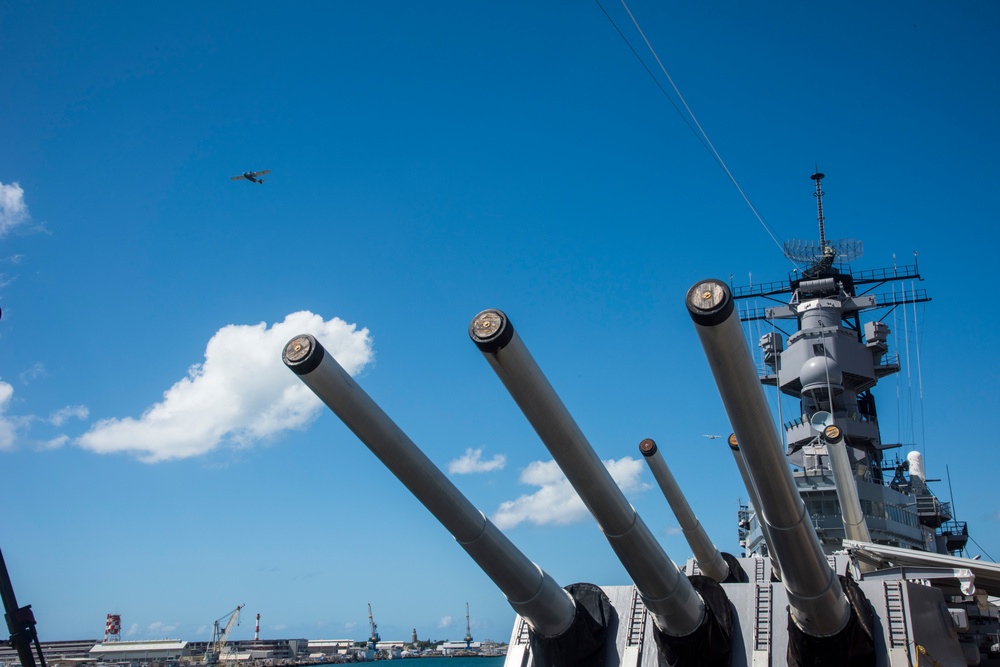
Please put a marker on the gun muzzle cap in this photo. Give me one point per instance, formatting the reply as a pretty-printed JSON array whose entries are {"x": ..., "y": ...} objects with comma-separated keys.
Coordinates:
[
  {"x": 647, "y": 447},
  {"x": 303, "y": 354},
  {"x": 491, "y": 330},
  {"x": 709, "y": 302}
]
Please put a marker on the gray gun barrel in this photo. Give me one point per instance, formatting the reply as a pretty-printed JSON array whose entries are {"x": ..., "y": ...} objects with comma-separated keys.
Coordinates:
[
  {"x": 675, "y": 606},
  {"x": 818, "y": 604},
  {"x": 754, "y": 500},
  {"x": 532, "y": 593},
  {"x": 855, "y": 527},
  {"x": 710, "y": 561}
]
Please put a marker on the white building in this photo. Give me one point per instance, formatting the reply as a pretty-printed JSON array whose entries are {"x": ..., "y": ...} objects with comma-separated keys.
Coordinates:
[{"x": 157, "y": 650}]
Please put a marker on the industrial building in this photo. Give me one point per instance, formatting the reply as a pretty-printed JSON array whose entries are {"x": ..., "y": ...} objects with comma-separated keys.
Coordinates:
[{"x": 159, "y": 651}]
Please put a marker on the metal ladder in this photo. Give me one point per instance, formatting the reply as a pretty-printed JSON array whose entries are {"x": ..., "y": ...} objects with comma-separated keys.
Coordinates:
[
  {"x": 894, "y": 613},
  {"x": 762, "y": 625},
  {"x": 895, "y": 616},
  {"x": 635, "y": 633}
]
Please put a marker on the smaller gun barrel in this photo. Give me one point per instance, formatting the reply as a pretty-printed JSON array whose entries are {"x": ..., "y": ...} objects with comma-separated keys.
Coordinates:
[
  {"x": 741, "y": 465},
  {"x": 817, "y": 601},
  {"x": 676, "y": 607},
  {"x": 710, "y": 561},
  {"x": 532, "y": 593},
  {"x": 855, "y": 527}
]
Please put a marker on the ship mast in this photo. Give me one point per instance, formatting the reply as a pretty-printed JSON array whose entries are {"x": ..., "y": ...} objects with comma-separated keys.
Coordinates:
[
  {"x": 819, "y": 257},
  {"x": 818, "y": 176}
]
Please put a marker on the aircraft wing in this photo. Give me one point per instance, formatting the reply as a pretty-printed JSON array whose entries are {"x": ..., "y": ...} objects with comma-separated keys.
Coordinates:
[
  {"x": 238, "y": 178},
  {"x": 261, "y": 173}
]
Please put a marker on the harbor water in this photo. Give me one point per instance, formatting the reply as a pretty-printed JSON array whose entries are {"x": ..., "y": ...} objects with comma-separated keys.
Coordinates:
[{"x": 450, "y": 662}]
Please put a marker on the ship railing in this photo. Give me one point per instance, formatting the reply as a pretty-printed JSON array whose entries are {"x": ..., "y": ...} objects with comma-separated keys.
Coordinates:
[
  {"x": 889, "y": 360},
  {"x": 760, "y": 289},
  {"x": 953, "y": 528},
  {"x": 889, "y": 273},
  {"x": 889, "y": 299}
]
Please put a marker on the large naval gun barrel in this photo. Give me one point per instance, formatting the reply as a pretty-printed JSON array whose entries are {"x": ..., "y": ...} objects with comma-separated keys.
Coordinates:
[
  {"x": 855, "y": 527},
  {"x": 533, "y": 594},
  {"x": 708, "y": 557},
  {"x": 675, "y": 606},
  {"x": 817, "y": 602}
]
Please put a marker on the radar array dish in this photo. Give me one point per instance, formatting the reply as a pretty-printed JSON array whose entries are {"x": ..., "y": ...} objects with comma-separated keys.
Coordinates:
[{"x": 813, "y": 252}]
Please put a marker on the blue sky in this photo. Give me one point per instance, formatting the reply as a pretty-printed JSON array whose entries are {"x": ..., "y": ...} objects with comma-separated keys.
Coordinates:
[{"x": 431, "y": 160}]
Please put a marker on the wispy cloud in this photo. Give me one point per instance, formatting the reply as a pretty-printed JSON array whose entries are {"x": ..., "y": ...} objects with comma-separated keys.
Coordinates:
[
  {"x": 53, "y": 443},
  {"x": 556, "y": 502},
  {"x": 160, "y": 629},
  {"x": 444, "y": 622},
  {"x": 8, "y": 425},
  {"x": 13, "y": 209},
  {"x": 240, "y": 394},
  {"x": 472, "y": 462},
  {"x": 14, "y": 427},
  {"x": 60, "y": 417},
  {"x": 34, "y": 372}
]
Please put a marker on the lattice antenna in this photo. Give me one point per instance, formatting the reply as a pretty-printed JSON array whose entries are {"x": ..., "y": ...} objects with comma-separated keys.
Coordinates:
[
  {"x": 818, "y": 176},
  {"x": 820, "y": 256}
]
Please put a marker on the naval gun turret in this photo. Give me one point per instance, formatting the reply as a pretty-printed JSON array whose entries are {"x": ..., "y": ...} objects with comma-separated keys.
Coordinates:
[{"x": 865, "y": 604}]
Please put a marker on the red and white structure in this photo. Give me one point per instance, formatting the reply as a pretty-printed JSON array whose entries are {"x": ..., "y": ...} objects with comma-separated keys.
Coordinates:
[
  {"x": 256, "y": 630},
  {"x": 113, "y": 628}
]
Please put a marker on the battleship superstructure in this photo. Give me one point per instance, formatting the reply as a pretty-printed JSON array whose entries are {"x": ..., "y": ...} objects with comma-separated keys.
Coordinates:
[
  {"x": 841, "y": 567},
  {"x": 830, "y": 363}
]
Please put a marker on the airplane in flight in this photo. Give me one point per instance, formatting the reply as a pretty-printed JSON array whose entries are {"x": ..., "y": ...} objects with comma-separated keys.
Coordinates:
[{"x": 252, "y": 176}]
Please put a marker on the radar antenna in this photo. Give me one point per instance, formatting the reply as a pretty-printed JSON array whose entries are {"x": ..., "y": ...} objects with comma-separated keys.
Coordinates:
[{"x": 820, "y": 256}]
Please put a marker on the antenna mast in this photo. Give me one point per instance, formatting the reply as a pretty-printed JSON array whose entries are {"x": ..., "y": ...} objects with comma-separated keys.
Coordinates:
[
  {"x": 818, "y": 176},
  {"x": 819, "y": 257}
]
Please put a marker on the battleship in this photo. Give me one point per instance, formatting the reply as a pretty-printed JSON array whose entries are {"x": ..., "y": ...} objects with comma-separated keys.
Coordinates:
[{"x": 849, "y": 557}]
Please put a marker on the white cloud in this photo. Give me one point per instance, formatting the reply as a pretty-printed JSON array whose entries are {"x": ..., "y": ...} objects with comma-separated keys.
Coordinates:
[
  {"x": 13, "y": 210},
  {"x": 8, "y": 425},
  {"x": 242, "y": 393},
  {"x": 159, "y": 628},
  {"x": 444, "y": 622},
  {"x": 472, "y": 462},
  {"x": 133, "y": 630},
  {"x": 59, "y": 417},
  {"x": 54, "y": 443},
  {"x": 556, "y": 502}
]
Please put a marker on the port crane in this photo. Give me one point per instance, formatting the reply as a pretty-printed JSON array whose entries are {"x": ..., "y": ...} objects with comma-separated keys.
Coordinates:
[
  {"x": 468, "y": 628},
  {"x": 374, "y": 639},
  {"x": 219, "y": 636}
]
